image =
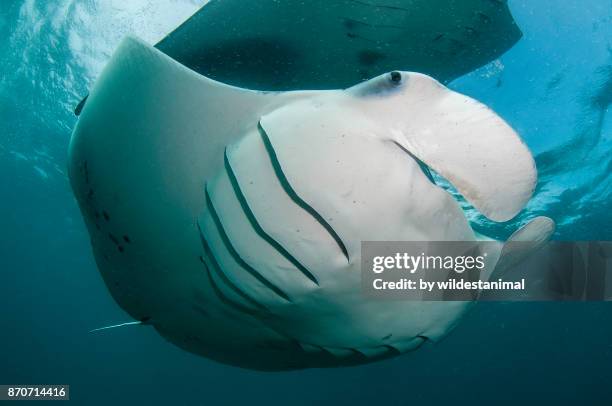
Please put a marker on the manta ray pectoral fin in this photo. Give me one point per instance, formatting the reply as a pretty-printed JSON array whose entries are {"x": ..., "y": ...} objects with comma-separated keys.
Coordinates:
[{"x": 458, "y": 137}]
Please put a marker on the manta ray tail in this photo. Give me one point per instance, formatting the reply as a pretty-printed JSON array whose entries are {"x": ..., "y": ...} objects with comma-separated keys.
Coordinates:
[{"x": 130, "y": 323}]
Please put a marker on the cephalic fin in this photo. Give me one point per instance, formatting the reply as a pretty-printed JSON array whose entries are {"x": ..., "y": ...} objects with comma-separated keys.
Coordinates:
[{"x": 523, "y": 243}]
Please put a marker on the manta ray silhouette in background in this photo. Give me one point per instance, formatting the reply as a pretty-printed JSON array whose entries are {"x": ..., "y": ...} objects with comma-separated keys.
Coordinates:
[{"x": 333, "y": 44}]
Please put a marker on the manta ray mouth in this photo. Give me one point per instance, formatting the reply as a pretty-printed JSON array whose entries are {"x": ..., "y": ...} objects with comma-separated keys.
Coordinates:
[
  {"x": 442, "y": 183},
  {"x": 427, "y": 171}
]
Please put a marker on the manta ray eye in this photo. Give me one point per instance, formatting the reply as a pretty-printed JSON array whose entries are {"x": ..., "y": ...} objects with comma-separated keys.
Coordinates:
[{"x": 395, "y": 77}]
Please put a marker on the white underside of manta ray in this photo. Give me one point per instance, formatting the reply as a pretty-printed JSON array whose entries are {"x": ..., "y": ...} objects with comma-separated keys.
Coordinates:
[{"x": 231, "y": 219}]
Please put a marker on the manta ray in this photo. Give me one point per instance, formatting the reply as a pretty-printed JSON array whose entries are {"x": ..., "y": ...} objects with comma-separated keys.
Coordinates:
[
  {"x": 230, "y": 220},
  {"x": 323, "y": 44},
  {"x": 332, "y": 44}
]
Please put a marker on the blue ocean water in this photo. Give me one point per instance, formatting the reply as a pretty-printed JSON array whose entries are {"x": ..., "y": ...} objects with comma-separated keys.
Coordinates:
[{"x": 554, "y": 87}]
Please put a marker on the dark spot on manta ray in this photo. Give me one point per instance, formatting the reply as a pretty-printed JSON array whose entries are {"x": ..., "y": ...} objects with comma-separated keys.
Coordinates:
[
  {"x": 348, "y": 24},
  {"x": 106, "y": 216},
  {"x": 126, "y": 239},
  {"x": 120, "y": 248},
  {"x": 391, "y": 350},
  {"x": 113, "y": 239},
  {"x": 370, "y": 57}
]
